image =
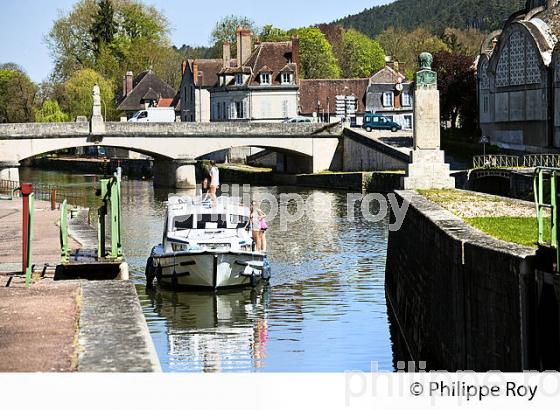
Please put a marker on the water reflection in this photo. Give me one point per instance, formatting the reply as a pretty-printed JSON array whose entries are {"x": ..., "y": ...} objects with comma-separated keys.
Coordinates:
[
  {"x": 324, "y": 312},
  {"x": 213, "y": 332}
]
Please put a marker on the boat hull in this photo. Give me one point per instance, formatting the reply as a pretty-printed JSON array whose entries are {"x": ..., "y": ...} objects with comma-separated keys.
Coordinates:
[{"x": 209, "y": 270}]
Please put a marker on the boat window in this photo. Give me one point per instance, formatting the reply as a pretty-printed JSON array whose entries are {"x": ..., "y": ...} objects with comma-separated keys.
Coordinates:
[
  {"x": 183, "y": 222},
  {"x": 203, "y": 219}
]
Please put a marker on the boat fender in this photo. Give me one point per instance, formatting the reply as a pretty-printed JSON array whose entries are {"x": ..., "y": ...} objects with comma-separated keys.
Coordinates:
[
  {"x": 267, "y": 270},
  {"x": 150, "y": 272},
  {"x": 159, "y": 272},
  {"x": 174, "y": 281}
]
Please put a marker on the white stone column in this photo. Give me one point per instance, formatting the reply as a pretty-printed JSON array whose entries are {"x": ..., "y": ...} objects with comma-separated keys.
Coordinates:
[{"x": 179, "y": 173}]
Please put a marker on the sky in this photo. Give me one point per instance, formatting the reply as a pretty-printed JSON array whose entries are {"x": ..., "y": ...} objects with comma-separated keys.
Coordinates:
[{"x": 24, "y": 23}]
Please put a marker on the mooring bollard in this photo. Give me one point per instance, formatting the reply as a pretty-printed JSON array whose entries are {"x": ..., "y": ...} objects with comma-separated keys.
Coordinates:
[
  {"x": 53, "y": 199},
  {"x": 28, "y": 205}
]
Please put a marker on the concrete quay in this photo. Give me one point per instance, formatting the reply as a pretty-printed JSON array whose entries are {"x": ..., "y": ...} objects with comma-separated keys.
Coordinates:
[{"x": 64, "y": 325}]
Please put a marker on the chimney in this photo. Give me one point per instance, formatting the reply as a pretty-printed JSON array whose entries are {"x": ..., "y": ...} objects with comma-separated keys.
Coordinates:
[
  {"x": 195, "y": 73},
  {"x": 295, "y": 52},
  {"x": 244, "y": 46},
  {"x": 183, "y": 67},
  {"x": 129, "y": 76},
  {"x": 226, "y": 54}
]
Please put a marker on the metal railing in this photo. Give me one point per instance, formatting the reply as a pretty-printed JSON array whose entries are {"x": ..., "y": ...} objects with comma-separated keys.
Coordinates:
[
  {"x": 541, "y": 160},
  {"x": 8, "y": 189},
  {"x": 545, "y": 184},
  {"x": 495, "y": 161}
]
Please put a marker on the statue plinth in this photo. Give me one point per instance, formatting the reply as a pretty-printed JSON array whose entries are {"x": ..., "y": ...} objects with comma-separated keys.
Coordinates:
[{"x": 427, "y": 169}]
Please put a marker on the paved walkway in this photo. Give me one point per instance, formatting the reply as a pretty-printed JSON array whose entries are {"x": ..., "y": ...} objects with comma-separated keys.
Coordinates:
[
  {"x": 38, "y": 326},
  {"x": 45, "y": 244}
]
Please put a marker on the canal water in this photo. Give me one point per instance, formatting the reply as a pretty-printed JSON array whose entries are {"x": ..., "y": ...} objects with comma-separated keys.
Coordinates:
[{"x": 324, "y": 311}]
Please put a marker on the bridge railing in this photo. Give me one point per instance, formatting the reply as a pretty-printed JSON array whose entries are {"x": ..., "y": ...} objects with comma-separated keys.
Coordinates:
[
  {"x": 541, "y": 160},
  {"x": 495, "y": 161}
]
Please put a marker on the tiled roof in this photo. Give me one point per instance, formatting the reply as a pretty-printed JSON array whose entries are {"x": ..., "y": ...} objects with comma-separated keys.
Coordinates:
[
  {"x": 387, "y": 76},
  {"x": 272, "y": 56},
  {"x": 142, "y": 84},
  {"x": 325, "y": 91},
  {"x": 165, "y": 102},
  {"x": 210, "y": 68}
]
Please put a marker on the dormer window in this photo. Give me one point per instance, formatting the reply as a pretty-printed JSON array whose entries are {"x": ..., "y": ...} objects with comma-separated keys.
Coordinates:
[
  {"x": 287, "y": 78},
  {"x": 265, "y": 79},
  {"x": 239, "y": 79}
]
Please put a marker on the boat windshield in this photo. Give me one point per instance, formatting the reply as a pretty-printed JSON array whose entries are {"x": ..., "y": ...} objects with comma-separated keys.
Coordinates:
[{"x": 210, "y": 221}]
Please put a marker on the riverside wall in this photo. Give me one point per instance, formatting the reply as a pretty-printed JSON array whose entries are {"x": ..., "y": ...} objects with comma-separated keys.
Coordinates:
[{"x": 461, "y": 299}]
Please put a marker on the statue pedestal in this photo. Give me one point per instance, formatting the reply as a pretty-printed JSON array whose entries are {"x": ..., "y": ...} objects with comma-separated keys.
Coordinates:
[
  {"x": 97, "y": 125},
  {"x": 427, "y": 169}
]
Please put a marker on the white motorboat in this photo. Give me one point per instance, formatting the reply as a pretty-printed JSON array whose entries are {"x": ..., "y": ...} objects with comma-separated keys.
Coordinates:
[{"x": 206, "y": 245}]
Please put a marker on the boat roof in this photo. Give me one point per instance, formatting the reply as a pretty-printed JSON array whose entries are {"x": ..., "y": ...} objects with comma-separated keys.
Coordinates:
[{"x": 181, "y": 205}]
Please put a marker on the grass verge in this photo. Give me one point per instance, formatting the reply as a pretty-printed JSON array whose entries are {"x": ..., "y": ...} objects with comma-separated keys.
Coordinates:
[{"x": 519, "y": 230}]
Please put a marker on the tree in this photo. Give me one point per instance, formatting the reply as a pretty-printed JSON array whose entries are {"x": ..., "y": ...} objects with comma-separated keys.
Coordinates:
[
  {"x": 17, "y": 93},
  {"x": 466, "y": 42},
  {"x": 226, "y": 30},
  {"x": 104, "y": 26},
  {"x": 405, "y": 46},
  {"x": 88, "y": 38},
  {"x": 457, "y": 85},
  {"x": 50, "y": 112},
  {"x": 78, "y": 98},
  {"x": 361, "y": 56},
  {"x": 316, "y": 56},
  {"x": 271, "y": 33}
]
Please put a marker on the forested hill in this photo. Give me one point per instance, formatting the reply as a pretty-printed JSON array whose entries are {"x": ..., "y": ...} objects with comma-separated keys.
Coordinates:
[{"x": 486, "y": 15}]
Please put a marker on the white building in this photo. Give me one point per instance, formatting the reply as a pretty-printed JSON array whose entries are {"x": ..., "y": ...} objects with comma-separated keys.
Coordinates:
[{"x": 261, "y": 84}]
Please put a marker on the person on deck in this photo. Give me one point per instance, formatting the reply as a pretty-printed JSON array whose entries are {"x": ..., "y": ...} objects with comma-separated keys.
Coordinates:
[
  {"x": 256, "y": 217},
  {"x": 214, "y": 181}
]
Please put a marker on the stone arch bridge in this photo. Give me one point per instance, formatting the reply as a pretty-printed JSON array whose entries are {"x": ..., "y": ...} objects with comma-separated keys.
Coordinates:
[{"x": 174, "y": 146}]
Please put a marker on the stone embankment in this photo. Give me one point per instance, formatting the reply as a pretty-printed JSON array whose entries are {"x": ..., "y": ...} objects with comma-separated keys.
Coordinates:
[{"x": 57, "y": 325}]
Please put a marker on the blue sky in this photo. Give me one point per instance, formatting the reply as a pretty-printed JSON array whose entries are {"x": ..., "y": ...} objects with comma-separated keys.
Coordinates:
[{"x": 24, "y": 23}]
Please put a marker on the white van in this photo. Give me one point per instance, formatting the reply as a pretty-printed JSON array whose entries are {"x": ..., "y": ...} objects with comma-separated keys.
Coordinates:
[{"x": 164, "y": 114}]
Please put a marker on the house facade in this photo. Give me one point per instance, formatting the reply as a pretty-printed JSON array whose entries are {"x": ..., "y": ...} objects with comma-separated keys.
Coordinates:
[
  {"x": 261, "y": 84},
  {"x": 144, "y": 91},
  {"x": 518, "y": 73},
  {"x": 390, "y": 94},
  {"x": 198, "y": 78},
  {"x": 387, "y": 92}
]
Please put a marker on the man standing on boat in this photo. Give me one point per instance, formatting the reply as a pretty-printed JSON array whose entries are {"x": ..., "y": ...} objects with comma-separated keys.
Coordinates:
[{"x": 214, "y": 181}]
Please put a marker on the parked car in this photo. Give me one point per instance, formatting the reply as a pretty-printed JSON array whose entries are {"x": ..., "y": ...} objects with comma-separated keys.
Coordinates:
[
  {"x": 166, "y": 114},
  {"x": 298, "y": 119},
  {"x": 379, "y": 122}
]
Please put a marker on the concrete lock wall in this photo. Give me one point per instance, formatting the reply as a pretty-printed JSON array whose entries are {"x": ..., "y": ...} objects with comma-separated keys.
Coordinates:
[
  {"x": 462, "y": 299},
  {"x": 364, "y": 154}
]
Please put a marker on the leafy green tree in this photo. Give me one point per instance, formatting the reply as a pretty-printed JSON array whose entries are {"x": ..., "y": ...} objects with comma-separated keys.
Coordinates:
[
  {"x": 17, "y": 93},
  {"x": 50, "y": 112},
  {"x": 226, "y": 30},
  {"x": 405, "y": 46},
  {"x": 316, "y": 55},
  {"x": 104, "y": 26},
  {"x": 80, "y": 39},
  {"x": 78, "y": 99},
  {"x": 271, "y": 33},
  {"x": 361, "y": 56},
  {"x": 487, "y": 15}
]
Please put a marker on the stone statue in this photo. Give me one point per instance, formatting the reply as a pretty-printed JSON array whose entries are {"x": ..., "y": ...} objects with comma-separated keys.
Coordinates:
[
  {"x": 96, "y": 100},
  {"x": 425, "y": 61},
  {"x": 426, "y": 77}
]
